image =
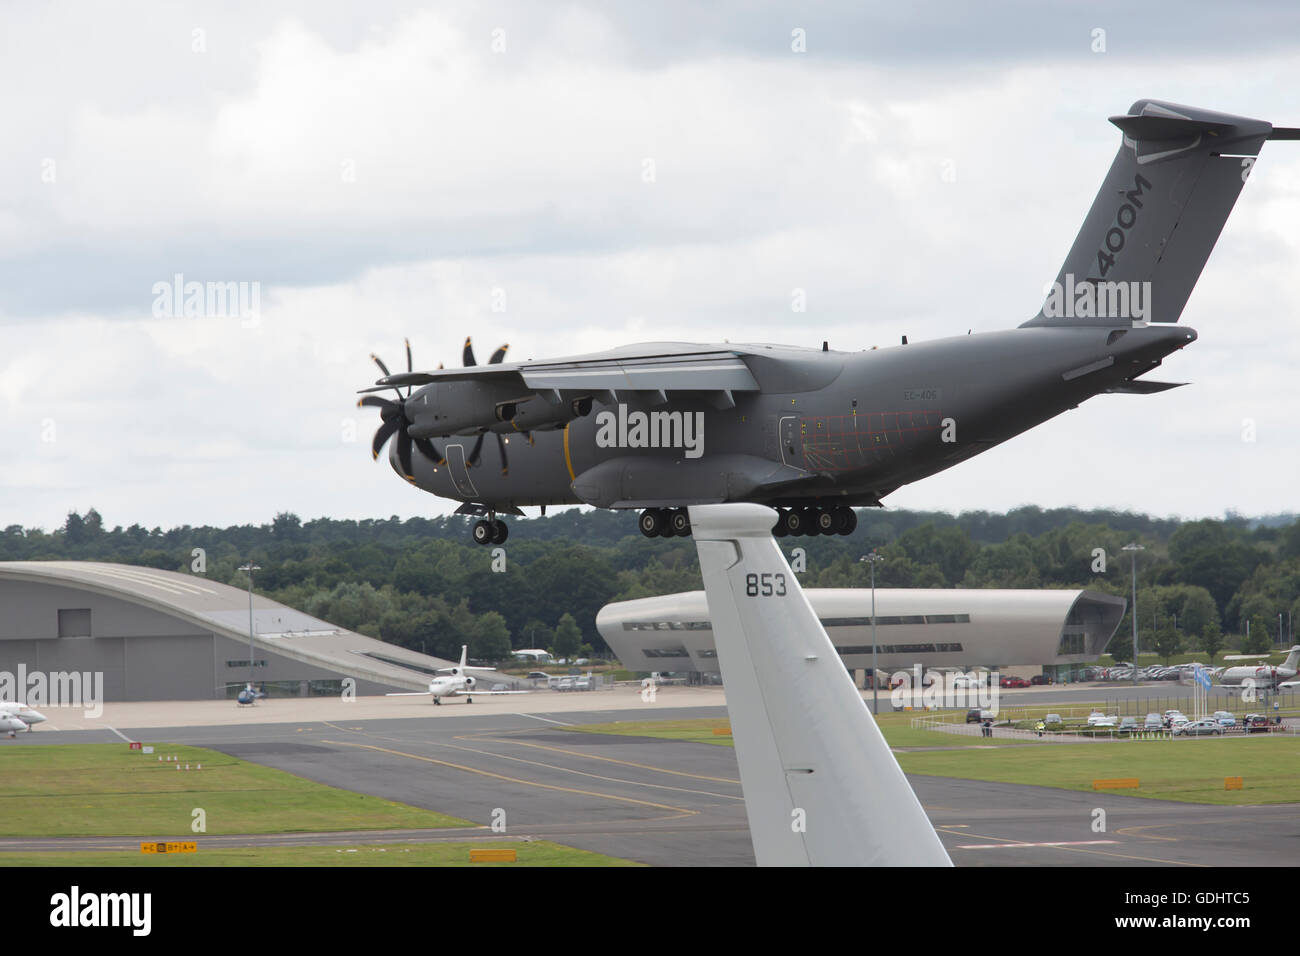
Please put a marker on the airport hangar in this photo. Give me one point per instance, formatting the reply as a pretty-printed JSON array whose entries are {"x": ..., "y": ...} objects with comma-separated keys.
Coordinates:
[
  {"x": 162, "y": 635},
  {"x": 936, "y": 628}
]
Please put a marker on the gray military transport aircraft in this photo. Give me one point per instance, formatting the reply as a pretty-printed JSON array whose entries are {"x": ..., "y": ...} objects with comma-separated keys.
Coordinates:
[{"x": 816, "y": 432}]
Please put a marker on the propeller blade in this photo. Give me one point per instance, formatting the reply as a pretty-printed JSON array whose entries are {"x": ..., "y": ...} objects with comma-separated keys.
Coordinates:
[
  {"x": 429, "y": 451},
  {"x": 385, "y": 432},
  {"x": 374, "y": 401},
  {"x": 505, "y": 463},
  {"x": 409, "y": 366},
  {"x": 498, "y": 355},
  {"x": 472, "y": 460},
  {"x": 404, "y": 456},
  {"x": 384, "y": 368},
  {"x": 467, "y": 356}
]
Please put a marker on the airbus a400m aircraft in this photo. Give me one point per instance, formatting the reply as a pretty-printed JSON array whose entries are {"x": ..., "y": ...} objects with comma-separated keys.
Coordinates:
[{"x": 815, "y": 432}]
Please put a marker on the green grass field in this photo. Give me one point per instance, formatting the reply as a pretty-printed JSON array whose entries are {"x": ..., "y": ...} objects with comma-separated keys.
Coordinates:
[
  {"x": 535, "y": 853},
  {"x": 896, "y": 728},
  {"x": 108, "y": 790},
  {"x": 1190, "y": 770}
]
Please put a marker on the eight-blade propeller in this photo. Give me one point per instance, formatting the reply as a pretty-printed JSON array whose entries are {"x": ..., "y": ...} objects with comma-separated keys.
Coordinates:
[
  {"x": 393, "y": 416},
  {"x": 393, "y": 419},
  {"x": 467, "y": 357}
]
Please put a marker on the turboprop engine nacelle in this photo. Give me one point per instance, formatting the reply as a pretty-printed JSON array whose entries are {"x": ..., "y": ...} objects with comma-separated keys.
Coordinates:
[
  {"x": 460, "y": 408},
  {"x": 537, "y": 414}
]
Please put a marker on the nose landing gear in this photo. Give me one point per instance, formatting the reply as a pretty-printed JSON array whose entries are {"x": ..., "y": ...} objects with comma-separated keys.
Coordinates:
[{"x": 490, "y": 530}]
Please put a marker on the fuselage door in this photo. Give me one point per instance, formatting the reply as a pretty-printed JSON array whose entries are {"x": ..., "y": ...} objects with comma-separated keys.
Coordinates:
[
  {"x": 791, "y": 440},
  {"x": 459, "y": 473}
]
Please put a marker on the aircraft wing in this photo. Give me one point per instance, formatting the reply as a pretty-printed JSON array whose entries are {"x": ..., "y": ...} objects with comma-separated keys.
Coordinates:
[
  {"x": 656, "y": 367},
  {"x": 484, "y": 693},
  {"x": 822, "y": 787}
]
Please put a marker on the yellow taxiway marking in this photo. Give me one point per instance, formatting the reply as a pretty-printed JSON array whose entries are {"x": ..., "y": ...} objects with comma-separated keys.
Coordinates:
[
  {"x": 1133, "y": 831},
  {"x": 594, "y": 776},
  {"x": 682, "y": 811},
  {"x": 625, "y": 763},
  {"x": 1079, "y": 849}
]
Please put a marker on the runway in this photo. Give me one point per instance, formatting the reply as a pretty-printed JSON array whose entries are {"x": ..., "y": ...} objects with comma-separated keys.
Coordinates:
[{"x": 673, "y": 803}]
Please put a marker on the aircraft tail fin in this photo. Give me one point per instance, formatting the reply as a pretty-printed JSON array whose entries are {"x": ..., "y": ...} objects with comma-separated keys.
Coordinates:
[
  {"x": 1293, "y": 659},
  {"x": 822, "y": 787},
  {"x": 1160, "y": 210},
  {"x": 464, "y": 654}
]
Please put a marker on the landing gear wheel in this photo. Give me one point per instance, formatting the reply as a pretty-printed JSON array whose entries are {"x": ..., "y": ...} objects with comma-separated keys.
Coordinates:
[
  {"x": 846, "y": 520},
  {"x": 483, "y": 532},
  {"x": 679, "y": 522},
  {"x": 652, "y": 522},
  {"x": 469, "y": 700},
  {"x": 499, "y": 532},
  {"x": 808, "y": 521},
  {"x": 437, "y": 702},
  {"x": 824, "y": 521},
  {"x": 796, "y": 522}
]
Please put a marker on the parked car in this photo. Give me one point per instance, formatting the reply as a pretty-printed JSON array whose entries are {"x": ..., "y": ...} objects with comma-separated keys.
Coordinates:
[
  {"x": 973, "y": 715},
  {"x": 1129, "y": 723},
  {"x": 1225, "y": 719},
  {"x": 1098, "y": 719},
  {"x": 1040, "y": 679},
  {"x": 1198, "y": 728},
  {"x": 1153, "y": 722},
  {"x": 1051, "y": 719},
  {"x": 1014, "y": 682},
  {"x": 1255, "y": 723}
]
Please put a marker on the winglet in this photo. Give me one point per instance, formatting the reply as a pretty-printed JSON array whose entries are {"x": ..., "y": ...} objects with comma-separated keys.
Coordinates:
[{"x": 822, "y": 787}]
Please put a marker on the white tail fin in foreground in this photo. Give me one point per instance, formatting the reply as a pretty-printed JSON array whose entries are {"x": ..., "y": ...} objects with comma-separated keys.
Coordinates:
[{"x": 821, "y": 785}]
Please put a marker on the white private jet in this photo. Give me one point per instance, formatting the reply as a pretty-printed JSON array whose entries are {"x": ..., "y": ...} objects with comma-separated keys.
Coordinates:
[
  {"x": 457, "y": 683},
  {"x": 1262, "y": 674},
  {"x": 15, "y": 717}
]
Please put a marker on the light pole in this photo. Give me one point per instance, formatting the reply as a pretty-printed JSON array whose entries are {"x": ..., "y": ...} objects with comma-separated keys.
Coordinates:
[
  {"x": 871, "y": 560},
  {"x": 1135, "y": 548},
  {"x": 250, "y": 567}
]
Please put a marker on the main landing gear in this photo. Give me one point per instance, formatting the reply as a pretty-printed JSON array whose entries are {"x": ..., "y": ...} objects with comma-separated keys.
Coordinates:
[
  {"x": 797, "y": 522},
  {"x": 665, "y": 523},
  {"x": 490, "y": 530}
]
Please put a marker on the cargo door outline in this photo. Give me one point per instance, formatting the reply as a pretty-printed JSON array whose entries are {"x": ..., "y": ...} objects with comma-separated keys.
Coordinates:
[{"x": 459, "y": 472}]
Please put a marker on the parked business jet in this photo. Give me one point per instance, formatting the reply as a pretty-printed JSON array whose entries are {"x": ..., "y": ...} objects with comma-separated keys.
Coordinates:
[
  {"x": 458, "y": 682},
  {"x": 15, "y": 717}
]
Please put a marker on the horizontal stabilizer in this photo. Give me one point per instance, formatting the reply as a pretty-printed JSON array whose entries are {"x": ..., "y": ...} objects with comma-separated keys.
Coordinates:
[
  {"x": 822, "y": 787},
  {"x": 1140, "y": 387},
  {"x": 1156, "y": 127}
]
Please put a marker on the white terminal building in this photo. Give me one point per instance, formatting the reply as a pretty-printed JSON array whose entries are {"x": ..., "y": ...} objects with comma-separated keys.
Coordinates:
[{"x": 1056, "y": 631}]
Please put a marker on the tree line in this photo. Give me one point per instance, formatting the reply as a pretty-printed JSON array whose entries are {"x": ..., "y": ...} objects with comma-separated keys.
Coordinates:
[{"x": 421, "y": 583}]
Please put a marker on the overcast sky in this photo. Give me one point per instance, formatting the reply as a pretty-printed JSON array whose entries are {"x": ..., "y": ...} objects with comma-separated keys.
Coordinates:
[{"x": 397, "y": 169}]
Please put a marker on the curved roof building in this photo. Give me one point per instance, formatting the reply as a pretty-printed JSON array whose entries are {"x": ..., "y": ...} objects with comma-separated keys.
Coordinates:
[
  {"x": 162, "y": 635},
  {"x": 930, "y": 627}
]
